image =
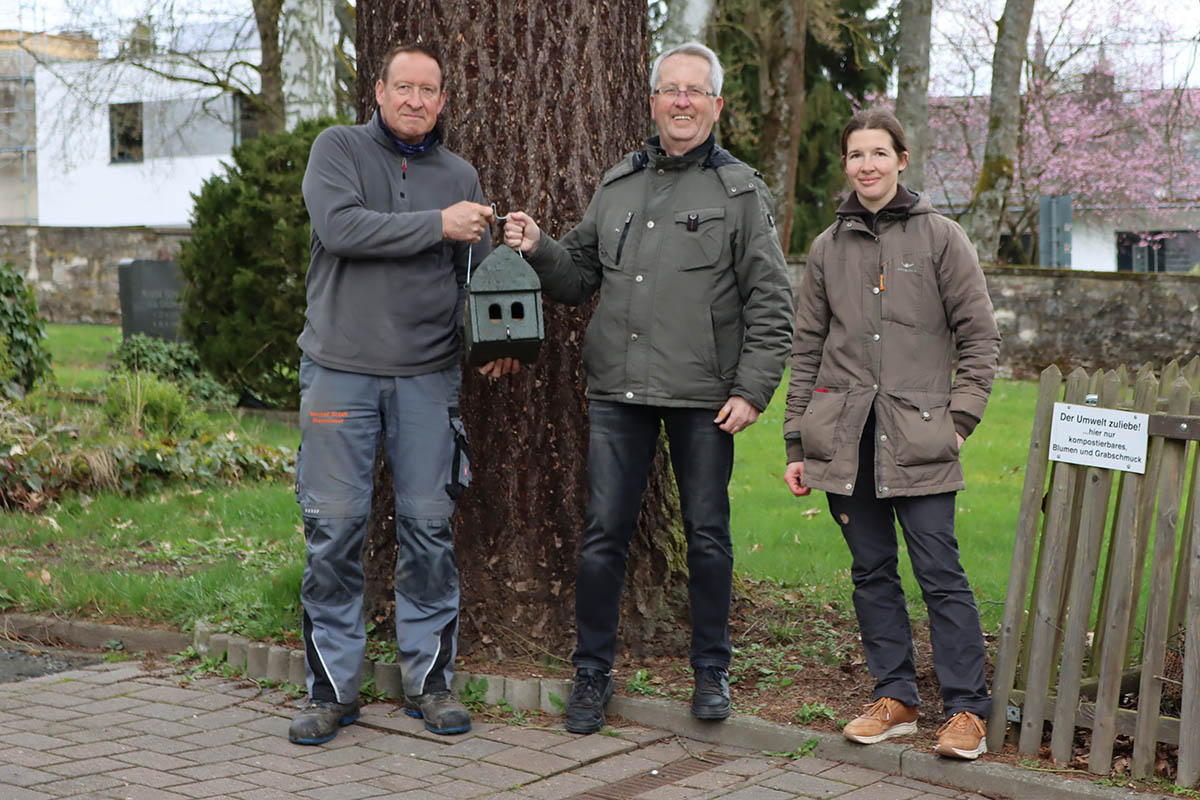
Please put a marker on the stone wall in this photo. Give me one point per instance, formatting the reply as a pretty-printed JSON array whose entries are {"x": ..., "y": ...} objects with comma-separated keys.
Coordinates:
[
  {"x": 1070, "y": 318},
  {"x": 74, "y": 270},
  {"x": 1088, "y": 319},
  {"x": 1093, "y": 319}
]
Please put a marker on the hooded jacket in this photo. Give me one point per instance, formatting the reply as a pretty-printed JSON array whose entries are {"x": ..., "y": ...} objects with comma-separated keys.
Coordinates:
[
  {"x": 695, "y": 304},
  {"x": 884, "y": 307}
]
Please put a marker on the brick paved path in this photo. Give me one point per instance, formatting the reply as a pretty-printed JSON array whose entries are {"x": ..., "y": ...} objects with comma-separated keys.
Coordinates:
[{"x": 119, "y": 731}]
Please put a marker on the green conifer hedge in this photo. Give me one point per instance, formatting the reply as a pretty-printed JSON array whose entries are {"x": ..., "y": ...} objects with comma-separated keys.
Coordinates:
[{"x": 244, "y": 266}]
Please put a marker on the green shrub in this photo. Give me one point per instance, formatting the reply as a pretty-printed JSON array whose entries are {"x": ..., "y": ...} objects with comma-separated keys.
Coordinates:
[
  {"x": 177, "y": 362},
  {"x": 24, "y": 358},
  {"x": 41, "y": 461},
  {"x": 143, "y": 403},
  {"x": 244, "y": 266}
]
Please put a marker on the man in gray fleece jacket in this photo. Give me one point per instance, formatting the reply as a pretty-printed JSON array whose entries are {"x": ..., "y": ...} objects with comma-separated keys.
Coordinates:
[{"x": 394, "y": 219}]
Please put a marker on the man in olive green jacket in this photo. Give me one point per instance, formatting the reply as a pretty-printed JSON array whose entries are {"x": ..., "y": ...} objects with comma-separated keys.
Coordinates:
[{"x": 694, "y": 319}]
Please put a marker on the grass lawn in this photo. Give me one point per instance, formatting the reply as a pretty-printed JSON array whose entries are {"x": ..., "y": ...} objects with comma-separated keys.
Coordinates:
[
  {"x": 235, "y": 555},
  {"x": 795, "y": 541},
  {"x": 80, "y": 354}
]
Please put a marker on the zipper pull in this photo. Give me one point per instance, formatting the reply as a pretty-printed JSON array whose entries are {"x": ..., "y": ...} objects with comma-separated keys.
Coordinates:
[
  {"x": 624, "y": 233},
  {"x": 404, "y": 168}
]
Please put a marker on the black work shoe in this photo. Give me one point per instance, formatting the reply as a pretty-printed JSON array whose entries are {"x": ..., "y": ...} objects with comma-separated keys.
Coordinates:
[
  {"x": 441, "y": 712},
  {"x": 710, "y": 700},
  {"x": 319, "y": 721},
  {"x": 589, "y": 695}
]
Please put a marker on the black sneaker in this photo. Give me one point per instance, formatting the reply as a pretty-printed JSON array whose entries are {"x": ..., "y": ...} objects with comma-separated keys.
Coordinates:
[
  {"x": 589, "y": 695},
  {"x": 319, "y": 721},
  {"x": 710, "y": 700},
  {"x": 441, "y": 712}
]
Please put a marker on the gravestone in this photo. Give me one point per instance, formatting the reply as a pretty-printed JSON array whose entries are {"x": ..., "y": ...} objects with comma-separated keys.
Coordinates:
[{"x": 149, "y": 292}]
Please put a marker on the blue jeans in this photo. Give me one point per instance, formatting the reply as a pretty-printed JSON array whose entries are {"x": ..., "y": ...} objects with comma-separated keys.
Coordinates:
[{"x": 621, "y": 450}]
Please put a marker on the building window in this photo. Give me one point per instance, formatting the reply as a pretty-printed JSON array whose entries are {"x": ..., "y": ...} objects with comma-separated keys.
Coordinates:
[
  {"x": 1158, "y": 251},
  {"x": 247, "y": 119},
  {"x": 125, "y": 132}
]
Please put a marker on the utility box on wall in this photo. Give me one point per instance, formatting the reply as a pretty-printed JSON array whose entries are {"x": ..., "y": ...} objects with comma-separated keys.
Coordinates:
[
  {"x": 504, "y": 310},
  {"x": 1054, "y": 231}
]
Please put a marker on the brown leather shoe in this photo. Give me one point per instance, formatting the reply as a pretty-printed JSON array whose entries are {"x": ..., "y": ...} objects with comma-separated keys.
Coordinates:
[
  {"x": 883, "y": 719},
  {"x": 962, "y": 737}
]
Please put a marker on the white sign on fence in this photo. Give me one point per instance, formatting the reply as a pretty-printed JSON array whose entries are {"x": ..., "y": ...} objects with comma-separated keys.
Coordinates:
[{"x": 1099, "y": 437}]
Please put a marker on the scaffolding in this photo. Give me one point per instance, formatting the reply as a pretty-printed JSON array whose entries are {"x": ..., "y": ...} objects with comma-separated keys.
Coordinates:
[
  {"x": 18, "y": 125},
  {"x": 20, "y": 53}
]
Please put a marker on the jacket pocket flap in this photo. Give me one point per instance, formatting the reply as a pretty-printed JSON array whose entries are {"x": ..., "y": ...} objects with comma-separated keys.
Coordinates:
[
  {"x": 700, "y": 215},
  {"x": 922, "y": 401},
  {"x": 820, "y": 424}
]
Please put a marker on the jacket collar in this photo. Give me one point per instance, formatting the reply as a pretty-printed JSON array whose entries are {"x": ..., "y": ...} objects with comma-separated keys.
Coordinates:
[
  {"x": 901, "y": 204},
  {"x": 657, "y": 158},
  {"x": 382, "y": 134}
]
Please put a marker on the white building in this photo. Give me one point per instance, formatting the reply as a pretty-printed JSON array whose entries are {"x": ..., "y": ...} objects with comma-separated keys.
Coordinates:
[{"x": 121, "y": 145}]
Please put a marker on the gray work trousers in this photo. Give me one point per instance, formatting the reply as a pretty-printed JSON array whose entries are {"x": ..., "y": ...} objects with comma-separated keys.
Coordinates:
[
  {"x": 343, "y": 416},
  {"x": 868, "y": 526}
]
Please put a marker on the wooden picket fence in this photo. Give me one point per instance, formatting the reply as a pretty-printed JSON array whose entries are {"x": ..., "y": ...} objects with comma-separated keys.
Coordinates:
[{"x": 1089, "y": 632}]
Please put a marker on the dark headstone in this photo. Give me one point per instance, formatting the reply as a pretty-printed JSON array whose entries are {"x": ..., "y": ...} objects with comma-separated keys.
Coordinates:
[{"x": 149, "y": 292}]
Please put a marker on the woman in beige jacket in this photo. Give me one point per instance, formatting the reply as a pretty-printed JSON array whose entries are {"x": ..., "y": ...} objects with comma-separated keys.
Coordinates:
[{"x": 892, "y": 296}]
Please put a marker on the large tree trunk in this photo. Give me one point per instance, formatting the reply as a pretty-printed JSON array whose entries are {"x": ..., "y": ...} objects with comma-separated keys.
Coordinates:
[
  {"x": 543, "y": 96},
  {"x": 782, "y": 69},
  {"x": 912, "y": 83},
  {"x": 269, "y": 102},
  {"x": 1004, "y": 122}
]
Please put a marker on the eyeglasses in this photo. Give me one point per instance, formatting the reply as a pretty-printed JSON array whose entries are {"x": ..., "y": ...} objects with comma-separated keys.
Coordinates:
[
  {"x": 406, "y": 90},
  {"x": 693, "y": 93}
]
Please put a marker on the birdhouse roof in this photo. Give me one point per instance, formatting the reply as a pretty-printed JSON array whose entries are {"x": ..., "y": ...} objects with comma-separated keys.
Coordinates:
[{"x": 504, "y": 270}]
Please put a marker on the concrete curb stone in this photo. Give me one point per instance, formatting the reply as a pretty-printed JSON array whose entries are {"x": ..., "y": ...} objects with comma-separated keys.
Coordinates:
[
  {"x": 92, "y": 634},
  {"x": 235, "y": 655},
  {"x": 523, "y": 694},
  {"x": 218, "y": 646},
  {"x": 256, "y": 659},
  {"x": 739, "y": 730},
  {"x": 988, "y": 776},
  {"x": 277, "y": 663},
  {"x": 296, "y": 673},
  {"x": 559, "y": 688}
]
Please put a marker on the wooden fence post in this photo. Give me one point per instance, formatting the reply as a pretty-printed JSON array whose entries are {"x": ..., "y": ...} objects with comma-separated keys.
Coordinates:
[
  {"x": 1159, "y": 607},
  {"x": 1044, "y": 622},
  {"x": 1009, "y": 645},
  {"x": 1082, "y": 587},
  {"x": 1119, "y": 580}
]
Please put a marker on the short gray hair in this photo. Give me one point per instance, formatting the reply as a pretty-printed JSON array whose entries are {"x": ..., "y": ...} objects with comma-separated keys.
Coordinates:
[{"x": 716, "y": 75}]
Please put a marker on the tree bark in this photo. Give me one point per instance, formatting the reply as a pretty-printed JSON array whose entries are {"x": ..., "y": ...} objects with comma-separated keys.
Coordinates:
[
  {"x": 542, "y": 98},
  {"x": 782, "y": 66},
  {"x": 912, "y": 84},
  {"x": 270, "y": 94},
  {"x": 1004, "y": 121}
]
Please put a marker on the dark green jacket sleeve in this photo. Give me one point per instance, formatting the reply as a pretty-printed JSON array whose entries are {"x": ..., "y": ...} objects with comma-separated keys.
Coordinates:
[
  {"x": 570, "y": 270},
  {"x": 766, "y": 293}
]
